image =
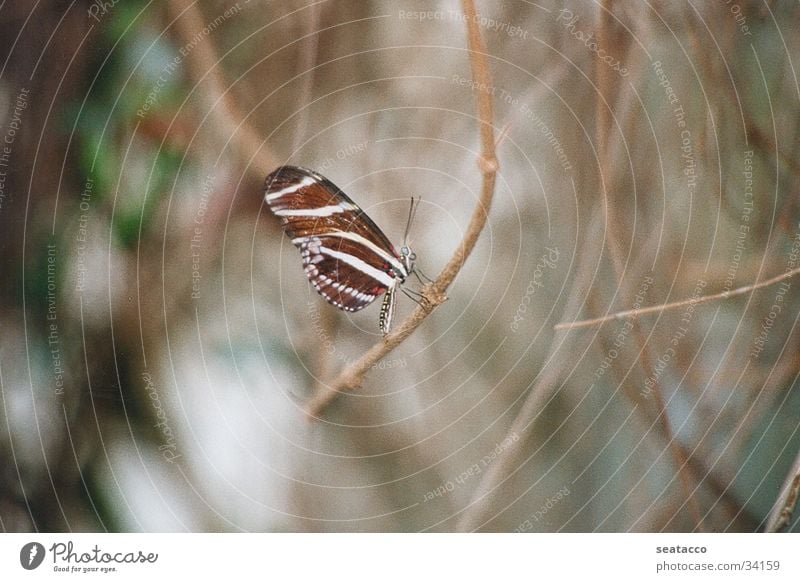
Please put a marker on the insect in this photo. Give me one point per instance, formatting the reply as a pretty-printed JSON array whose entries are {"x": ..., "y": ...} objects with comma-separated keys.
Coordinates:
[{"x": 346, "y": 256}]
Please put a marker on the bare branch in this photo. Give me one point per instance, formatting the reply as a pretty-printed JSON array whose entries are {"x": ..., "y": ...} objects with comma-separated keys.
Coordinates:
[
  {"x": 678, "y": 304},
  {"x": 787, "y": 500},
  {"x": 435, "y": 294},
  {"x": 308, "y": 60},
  {"x": 224, "y": 116}
]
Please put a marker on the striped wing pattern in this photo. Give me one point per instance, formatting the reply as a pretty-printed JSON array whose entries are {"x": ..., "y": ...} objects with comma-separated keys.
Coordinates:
[{"x": 346, "y": 256}]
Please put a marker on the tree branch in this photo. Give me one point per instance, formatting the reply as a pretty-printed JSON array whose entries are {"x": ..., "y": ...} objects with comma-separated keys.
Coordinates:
[
  {"x": 434, "y": 294},
  {"x": 678, "y": 304},
  {"x": 781, "y": 514},
  {"x": 224, "y": 116}
]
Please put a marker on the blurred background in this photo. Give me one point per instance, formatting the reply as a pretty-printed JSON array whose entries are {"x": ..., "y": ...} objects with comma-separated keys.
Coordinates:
[{"x": 159, "y": 339}]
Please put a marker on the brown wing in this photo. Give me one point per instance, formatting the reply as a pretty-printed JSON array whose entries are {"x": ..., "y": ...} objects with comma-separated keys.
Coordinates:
[
  {"x": 343, "y": 279},
  {"x": 292, "y": 188},
  {"x": 346, "y": 256}
]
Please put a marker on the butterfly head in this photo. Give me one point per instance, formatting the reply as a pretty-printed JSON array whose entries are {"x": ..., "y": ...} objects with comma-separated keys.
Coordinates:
[{"x": 408, "y": 256}]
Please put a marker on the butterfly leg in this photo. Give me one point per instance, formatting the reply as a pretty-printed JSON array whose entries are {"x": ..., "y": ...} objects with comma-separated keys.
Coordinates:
[
  {"x": 417, "y": 298},
  {"x": 420, "y": 276}
]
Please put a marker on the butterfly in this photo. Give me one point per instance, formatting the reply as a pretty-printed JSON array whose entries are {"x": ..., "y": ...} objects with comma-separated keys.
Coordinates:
[{"x": 347, "y": 258}]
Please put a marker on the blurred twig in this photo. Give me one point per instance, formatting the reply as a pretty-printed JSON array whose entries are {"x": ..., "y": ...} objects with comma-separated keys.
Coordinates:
[
  {"x": 435, "y": 293},
  {"x": 787, "y": 500},
  {"x": 610, "y": 156},
  {"x": 224, "y": 116},
  {"x": 546, "y": 384},
  {"x": 308, "y": 59},
  {"x": 678, "y": 304}
]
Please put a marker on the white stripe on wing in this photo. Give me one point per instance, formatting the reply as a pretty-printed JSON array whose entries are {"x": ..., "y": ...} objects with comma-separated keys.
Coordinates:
[
  {"x": 317, "y": 212},
  {"x": 289, "y": 189},
  {"x": 380, "y": 276},
  {"x": 386, "y": 256}
]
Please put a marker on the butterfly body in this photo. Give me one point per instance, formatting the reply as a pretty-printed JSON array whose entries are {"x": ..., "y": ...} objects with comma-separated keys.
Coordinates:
[{"x": 346, "y": 257}]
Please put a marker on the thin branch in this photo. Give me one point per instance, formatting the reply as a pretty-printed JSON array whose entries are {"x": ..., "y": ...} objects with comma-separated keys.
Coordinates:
[
  {"x": 224, "y": 116},
  {"x": 678, "y": 304},
  {"x": 308, "y": 58},
  {"x": 610, "y": 156},
  {"x": 547, "y": 383},
  {"x": 435, "y": 294},
  {"x": 787, "y": 500}
]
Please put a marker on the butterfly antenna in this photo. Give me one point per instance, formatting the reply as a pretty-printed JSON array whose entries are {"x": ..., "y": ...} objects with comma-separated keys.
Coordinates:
[
  {"x": 412, "y": 211},
  {"x": 416, "y": 207}
]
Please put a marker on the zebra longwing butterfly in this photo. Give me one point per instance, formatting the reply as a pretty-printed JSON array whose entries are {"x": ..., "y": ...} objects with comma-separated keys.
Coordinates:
[{"x": 346, "y": 256}]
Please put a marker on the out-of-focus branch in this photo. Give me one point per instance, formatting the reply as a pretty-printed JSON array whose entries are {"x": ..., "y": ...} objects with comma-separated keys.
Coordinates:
[
  {"x": 308, "y": 58},
  {"x": 610, "y": 161},
  {"x": 508, "y": 463},
  {"x": 435, "y": 293},
  {"x": 678, "y": 304},
  {"x": 787, "y": 500},
  {"x": 224, "y": 116}
]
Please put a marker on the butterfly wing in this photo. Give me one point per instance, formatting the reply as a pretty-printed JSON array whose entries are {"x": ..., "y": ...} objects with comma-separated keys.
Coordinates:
[{"x": 346, "y": 256}]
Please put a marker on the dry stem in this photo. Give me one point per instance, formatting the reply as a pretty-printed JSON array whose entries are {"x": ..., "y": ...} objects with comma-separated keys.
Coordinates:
[
  {"x": 678, "y": 304},
  {"x": 610, "y": 159},
  {"x": 787, "y": 500},
  {"x": 224, "y": 115},
  {"x": 540, "y": 393},
  {"x": 435, "y": 293}
]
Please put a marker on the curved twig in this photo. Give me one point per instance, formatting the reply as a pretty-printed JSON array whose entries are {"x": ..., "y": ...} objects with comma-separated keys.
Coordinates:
[
  {"x": 782, "y": 512},
  {"x": 435, "y": 293},
  {"x": 203, "y": 64},
  {"x": 678, "y": 304}
]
